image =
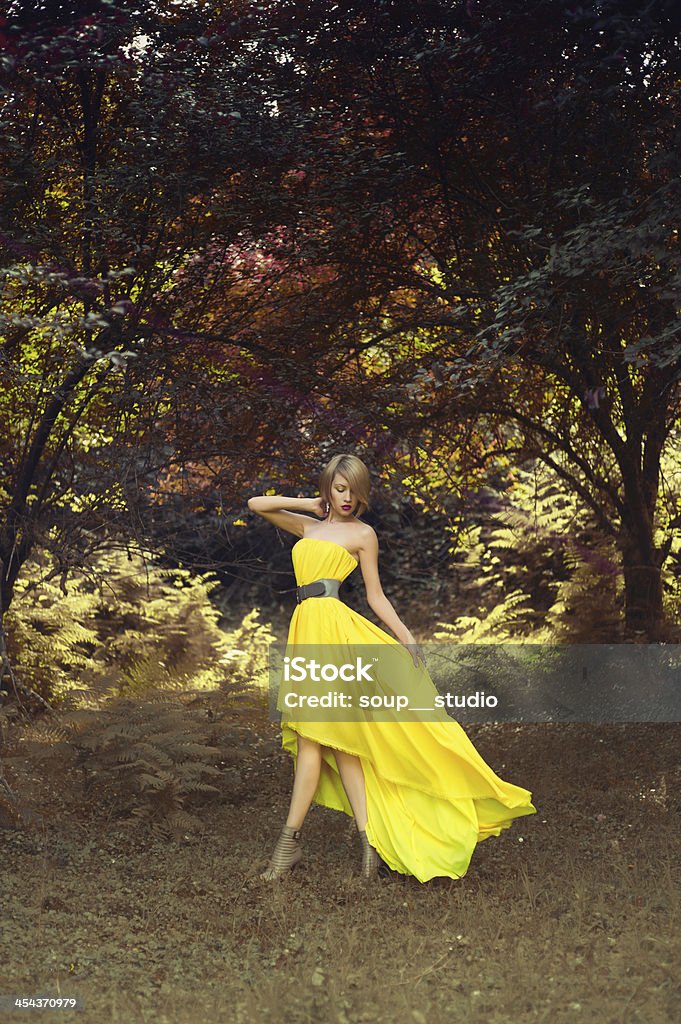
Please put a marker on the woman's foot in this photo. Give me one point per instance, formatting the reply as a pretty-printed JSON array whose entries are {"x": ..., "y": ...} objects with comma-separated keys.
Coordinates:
[
  {"x": 370, "y": 859},
  {"x": 287, "y": 854}
]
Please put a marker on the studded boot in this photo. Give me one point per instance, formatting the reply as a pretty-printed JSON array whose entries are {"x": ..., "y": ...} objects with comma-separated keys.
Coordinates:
[
  {"x": 370, "y": 859},
  {"x": 287, "y": 853}
]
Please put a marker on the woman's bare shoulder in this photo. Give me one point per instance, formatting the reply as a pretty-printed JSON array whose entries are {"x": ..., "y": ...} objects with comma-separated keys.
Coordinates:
[{"x": 366, "y": 536}]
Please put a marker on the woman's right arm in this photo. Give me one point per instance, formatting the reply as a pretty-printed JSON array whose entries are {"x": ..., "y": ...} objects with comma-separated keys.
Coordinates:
[{"x": 277, "y": 509}]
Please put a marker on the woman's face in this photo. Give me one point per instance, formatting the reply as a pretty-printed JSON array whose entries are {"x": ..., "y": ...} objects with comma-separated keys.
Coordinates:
[{"x": 343, "y": 500}]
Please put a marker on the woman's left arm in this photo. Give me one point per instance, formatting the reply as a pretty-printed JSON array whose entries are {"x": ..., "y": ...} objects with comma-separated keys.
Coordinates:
[{"x": 376, "y": 599}]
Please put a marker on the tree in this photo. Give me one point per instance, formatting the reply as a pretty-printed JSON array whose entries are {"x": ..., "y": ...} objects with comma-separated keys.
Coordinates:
[
  {"x": 255, "y": 233},
  {"x": 112, "y": 153},
  {"x": 516, "y": 176}
]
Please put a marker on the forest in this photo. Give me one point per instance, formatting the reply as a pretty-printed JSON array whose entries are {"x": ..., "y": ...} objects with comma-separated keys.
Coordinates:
[{"x": 237, "y": 239}]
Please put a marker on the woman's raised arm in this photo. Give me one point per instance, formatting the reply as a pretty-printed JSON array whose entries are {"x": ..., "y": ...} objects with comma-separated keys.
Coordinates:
[{"x": 278, "y": 509}]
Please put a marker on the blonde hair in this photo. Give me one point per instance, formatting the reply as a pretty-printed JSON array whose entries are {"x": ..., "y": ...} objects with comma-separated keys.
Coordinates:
[{"x": 355, "y": 472}]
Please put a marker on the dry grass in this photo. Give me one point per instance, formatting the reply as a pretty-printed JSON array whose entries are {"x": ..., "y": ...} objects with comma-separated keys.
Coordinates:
[{"x": 572, "y": 915}]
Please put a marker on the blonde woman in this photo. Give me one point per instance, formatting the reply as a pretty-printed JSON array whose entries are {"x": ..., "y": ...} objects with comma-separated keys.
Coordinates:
[{"x": 420, "y": 794}]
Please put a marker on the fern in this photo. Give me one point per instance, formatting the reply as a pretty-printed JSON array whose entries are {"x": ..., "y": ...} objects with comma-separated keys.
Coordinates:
[
  {"x": 134, "y": 628},
  {"x": 149, "y": 759},
  {"x": 502, "y": 624},
  {"x": 144, "y": 681},
  {"x": 537, "y": 570},
  {"x": 247, "y": 652}
]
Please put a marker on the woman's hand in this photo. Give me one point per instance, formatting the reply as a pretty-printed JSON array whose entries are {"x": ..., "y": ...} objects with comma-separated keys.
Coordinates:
[
  {"x": 414, "y": 650},
  {"x": 416, "y": 654},
  {"x": 318, "y": 506}
]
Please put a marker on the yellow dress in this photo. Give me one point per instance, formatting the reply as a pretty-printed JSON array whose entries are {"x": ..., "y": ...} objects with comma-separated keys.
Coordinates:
[{"x": 430, "y": 795}]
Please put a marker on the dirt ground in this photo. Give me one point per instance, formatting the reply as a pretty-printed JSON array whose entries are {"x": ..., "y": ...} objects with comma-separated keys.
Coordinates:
[{"x": 570, "y": 916}]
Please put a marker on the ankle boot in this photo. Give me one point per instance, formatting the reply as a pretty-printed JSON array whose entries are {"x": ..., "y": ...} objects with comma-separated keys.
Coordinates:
[
  {"x": 287, "y": 854},
  {"x": 370, "y": 859}
]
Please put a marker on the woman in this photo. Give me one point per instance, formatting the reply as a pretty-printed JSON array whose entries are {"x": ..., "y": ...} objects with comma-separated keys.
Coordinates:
[{"x": 421, "y": 795}]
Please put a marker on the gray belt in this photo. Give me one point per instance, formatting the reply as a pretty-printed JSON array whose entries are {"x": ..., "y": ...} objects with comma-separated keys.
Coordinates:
[{"x": 319, "y": 588}]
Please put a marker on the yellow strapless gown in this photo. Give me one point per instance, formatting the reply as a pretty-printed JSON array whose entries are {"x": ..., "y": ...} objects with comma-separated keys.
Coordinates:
[{"x": 430, "y": 795}]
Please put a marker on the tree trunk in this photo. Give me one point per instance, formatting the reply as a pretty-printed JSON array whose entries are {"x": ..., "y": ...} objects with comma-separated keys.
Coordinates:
[
  {"x": 642, "y": 560},
  {"x": 6, "y": 674},
  {"x": 642, "y": 594}
]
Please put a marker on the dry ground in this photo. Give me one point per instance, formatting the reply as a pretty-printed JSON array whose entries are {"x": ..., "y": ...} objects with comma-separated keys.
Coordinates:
[{"x": 571, "y": 916}]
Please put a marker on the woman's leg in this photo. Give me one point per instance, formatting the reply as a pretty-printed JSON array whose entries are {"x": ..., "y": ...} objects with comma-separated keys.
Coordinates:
[
  {"x": 352, "y": 777},
  {"x": 287, "y": 852},
  {"x": 308, "y": 768}
]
